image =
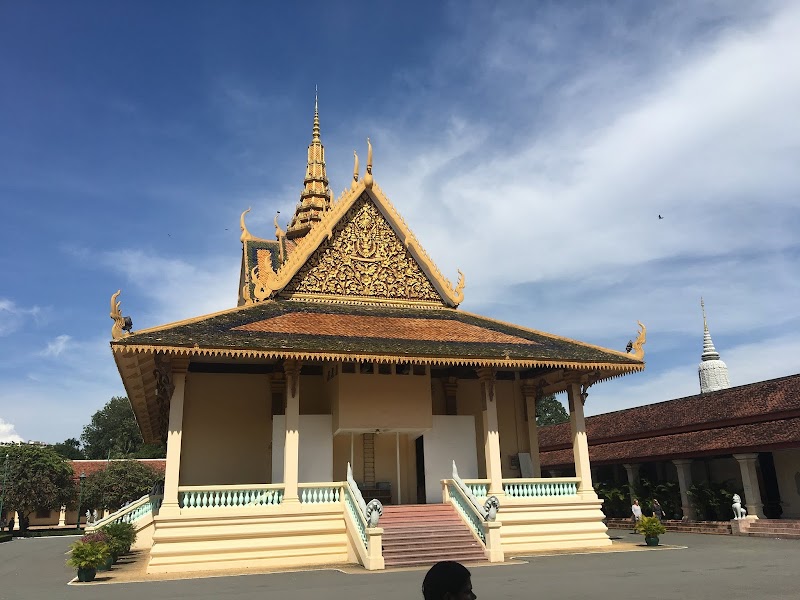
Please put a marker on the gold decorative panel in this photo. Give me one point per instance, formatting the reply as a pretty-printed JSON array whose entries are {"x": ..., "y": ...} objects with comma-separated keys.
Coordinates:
[{"x": 365, "y": 258}]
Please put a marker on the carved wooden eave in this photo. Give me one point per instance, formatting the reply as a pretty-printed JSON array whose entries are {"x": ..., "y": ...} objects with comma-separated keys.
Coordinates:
[{"x": 269, "y": 284}]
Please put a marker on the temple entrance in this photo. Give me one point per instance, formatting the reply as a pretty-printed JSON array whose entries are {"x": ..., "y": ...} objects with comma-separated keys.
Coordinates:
[{"x": 419, "y": 445}]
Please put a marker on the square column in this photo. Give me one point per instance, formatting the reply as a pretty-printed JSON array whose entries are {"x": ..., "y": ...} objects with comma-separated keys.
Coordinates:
[
  {"x": 291, "y": 450},
  {"x": 530, "y": 393},
  {"x": 633, "y": 478},
  {"x": 170, "y": 506},
  {"x": 752, "y": 491},
  {"x": 684, "y": 467},
  {"x": 580, "y": 443},
  {"x": 491, "y": 434}
]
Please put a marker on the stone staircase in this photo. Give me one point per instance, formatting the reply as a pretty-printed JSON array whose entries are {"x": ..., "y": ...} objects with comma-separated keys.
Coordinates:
[
  {"x": 417, "y": 535},
  {"x": 775, "y": 528}
]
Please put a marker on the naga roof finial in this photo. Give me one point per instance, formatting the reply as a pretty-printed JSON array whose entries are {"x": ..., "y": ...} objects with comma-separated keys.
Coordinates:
[
  {"x": 368, "y": 174},
  {"x": 246, "y": 235},
  {"x": 637, "y": 348}
]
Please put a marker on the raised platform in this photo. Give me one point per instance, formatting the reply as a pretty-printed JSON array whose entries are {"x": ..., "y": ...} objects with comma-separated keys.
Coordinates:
[{"x": 708, "y": 527}]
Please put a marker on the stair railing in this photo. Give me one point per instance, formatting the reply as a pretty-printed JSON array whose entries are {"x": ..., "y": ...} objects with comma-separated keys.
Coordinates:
[
  {"x": 362, "y": 520},
  {"x": 146, "y": 505},
  {"x": 481, "y": 518}
]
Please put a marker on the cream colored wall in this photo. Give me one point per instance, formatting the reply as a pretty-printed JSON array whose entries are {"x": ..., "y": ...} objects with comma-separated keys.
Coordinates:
[
  {"x": 369, "y": 401},
  {"x": 227, "y": 429},
  {"x": 509, "y": 418},
  {"x": 469, "y": 402},
  {"x": 787, "y": 469},
  {"x": 386, "y": 466}
]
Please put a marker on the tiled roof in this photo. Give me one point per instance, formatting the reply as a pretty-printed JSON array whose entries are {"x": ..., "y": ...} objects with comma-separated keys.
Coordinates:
[
  {"x": 286, "y": 325},
  {"x": 758, "y": 415},
  {"x": 88, "y": 467}
]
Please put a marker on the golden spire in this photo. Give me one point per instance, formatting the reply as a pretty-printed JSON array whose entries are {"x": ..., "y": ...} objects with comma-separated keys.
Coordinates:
[{"x": 316, "y": 197}]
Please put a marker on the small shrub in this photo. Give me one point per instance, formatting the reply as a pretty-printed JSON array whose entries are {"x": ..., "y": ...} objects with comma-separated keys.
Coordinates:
[
  {"x": 100, "y": 537},
  {"x": 85, "y": 555},
  {"x": 123, "y": 536},
  {"x": 650, "y": 527}
]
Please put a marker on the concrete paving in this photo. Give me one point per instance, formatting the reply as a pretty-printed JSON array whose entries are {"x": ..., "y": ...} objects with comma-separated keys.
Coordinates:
[{"x": 710, "y": 567}]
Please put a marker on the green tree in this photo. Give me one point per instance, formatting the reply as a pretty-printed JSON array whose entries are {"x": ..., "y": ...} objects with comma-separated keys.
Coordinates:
[
  {"x": 121, "y": 482},
  {"x": 70, "y": 448},
  {"x": 113, "y": 432},
  {"x": 549, "y": 411},
  {"x": 37, "y": 478}
]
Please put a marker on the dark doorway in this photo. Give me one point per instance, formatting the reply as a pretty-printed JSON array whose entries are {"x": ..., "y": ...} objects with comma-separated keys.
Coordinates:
[{"x": 420, "y": 470}]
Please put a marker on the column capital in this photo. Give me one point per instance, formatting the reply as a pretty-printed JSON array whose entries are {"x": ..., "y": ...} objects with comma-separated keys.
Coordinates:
[
  {"x": 746, "y": 457},
  {"x": 179, "y": 364},
  {"x": 631, "y": 466},
  {"x": 291, "y": 369},
  {"x": 682, "y": 462},
  {"x": 450, "y": 385},
  {"x": 485, "y": 373}
]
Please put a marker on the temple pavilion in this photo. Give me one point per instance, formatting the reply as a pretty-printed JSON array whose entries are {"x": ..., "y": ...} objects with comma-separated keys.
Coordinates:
[{"x": 346, "y": 406}]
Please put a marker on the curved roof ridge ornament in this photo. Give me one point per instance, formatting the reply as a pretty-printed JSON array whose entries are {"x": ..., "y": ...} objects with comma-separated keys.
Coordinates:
[
  {"x": 355, "y": 170},
  {"x": 368, "y": 181},
  {"x": 246, "y": 235},
  {"x": 636, "y": 349},
  {"x": 122, "y": 325}
]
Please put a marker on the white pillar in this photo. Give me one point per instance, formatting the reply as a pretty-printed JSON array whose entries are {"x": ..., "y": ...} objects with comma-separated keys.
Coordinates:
[
  {"x": 529, "y": 393},
  {"x": 752, "y": 491},
  {"x": 684, "y": 467},
  {"x": 397, "y": 448},
  {"x": 491, "y": 433},
  {"x": 633, "y": 478},
  {"x": 170, "y": 506},
  {"x": 62, "y": 516},
  {"x": 291, "y": 452},
  {"x": 580, "y": 443}
]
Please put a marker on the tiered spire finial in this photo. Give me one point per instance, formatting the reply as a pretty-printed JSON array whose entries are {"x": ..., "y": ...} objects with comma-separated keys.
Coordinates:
[
  {"x": 712, "y": 370},
  {"x": 316, "y": 197}
]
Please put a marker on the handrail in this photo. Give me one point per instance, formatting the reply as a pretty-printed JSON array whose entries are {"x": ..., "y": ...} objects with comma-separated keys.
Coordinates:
[
  {"x": 194, "y": 497},
  {"x": 372, "y": 511},
  {"x": 489, "y": 508},
  {"x": 149, "y": 503}
]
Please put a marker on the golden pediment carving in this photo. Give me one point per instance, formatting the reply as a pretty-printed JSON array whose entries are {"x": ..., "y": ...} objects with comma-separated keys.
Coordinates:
[{"x": 363, "y": 257}]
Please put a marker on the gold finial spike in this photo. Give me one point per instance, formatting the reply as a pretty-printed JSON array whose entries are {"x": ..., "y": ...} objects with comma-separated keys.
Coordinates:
[
  {"x": 279, "y": 233},
  {"x": 246, "y": 235},
  {"x": 368, "y": 174},
  {"x": 316, "y": 115}
]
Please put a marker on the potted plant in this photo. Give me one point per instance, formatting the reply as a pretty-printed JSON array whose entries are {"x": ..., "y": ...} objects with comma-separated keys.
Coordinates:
[
  {"x": 651, "y": 528},
  {"x": 121, "y": 536},
  {"x": 102, "y": 538},
  {"x": 87, "y": 557}
]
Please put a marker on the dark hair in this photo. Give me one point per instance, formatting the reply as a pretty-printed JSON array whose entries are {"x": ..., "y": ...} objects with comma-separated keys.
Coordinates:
[{"x": 443, "y": 577}]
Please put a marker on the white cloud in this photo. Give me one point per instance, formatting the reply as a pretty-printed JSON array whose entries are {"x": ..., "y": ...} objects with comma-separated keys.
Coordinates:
[
  {"x": 8, "y": 433},
  {"x": 56, "y": 346},
  {"x": 13, "y": 317}
]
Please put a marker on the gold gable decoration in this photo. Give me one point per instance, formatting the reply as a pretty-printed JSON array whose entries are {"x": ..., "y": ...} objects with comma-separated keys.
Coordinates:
[{"x": 363, "y": 259}]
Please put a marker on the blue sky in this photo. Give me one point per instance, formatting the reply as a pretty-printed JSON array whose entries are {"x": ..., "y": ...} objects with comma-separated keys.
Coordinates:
[{"x": 531, "y": 145}]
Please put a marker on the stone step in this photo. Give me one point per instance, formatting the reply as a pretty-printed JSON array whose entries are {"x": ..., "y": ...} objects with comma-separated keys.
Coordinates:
[
  {"x": 419, "y": 560},
  {"x": 784, "y": 536},
  {"x": 399, "y": 537},
  {"x": 775, "y": 523}
]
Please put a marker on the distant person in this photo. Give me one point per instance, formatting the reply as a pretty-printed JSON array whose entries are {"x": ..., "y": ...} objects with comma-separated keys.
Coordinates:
[
  {"x": 636, "y": 513},
  {"x": 658, "y": 511},
  {"x": 448, "y": 580}
]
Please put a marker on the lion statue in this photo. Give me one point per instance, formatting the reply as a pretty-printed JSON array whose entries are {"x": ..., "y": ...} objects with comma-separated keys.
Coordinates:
[{"x": 738, "y": 511}]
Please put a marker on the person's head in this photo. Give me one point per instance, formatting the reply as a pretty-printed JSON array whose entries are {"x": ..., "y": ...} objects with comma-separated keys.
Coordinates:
[
  {"x": 655, "y": 501},
  {"x": 447, "y": 580},
  {"x": 636, "y": 501}
]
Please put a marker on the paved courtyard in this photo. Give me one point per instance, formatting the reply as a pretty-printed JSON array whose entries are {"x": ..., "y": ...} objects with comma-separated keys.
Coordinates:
[{"x": 710, "y": 567}]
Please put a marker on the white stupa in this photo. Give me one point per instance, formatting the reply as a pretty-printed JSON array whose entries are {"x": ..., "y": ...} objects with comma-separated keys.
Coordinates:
[{"x": 713, "y": 372}]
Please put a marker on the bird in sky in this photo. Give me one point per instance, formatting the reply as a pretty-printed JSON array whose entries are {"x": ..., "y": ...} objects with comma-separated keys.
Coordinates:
[{"x": 660, "y": 217}]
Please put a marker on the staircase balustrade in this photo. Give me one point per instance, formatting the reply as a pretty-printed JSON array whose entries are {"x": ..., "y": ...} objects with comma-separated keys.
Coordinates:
[
  {"x": 320, "y": 493},
  {"x": 147, "y": 504},
  {"x": 229, "y": 496},
  {"x": 364, "y": 518}
]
